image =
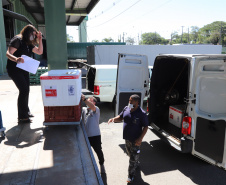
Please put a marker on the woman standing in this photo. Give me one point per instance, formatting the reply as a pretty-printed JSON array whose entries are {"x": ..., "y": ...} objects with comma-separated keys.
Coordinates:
[{"x": 23, "y": 44}]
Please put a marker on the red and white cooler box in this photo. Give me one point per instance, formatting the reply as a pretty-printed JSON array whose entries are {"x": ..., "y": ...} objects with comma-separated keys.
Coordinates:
[
  {"x": 61, "y": 94},
  {"x": 176, "y": 113}
]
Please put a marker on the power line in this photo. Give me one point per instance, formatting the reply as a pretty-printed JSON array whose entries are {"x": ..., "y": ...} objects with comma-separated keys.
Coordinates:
[
  {"x": 128, "y": 23},
  {"x": 117, "y": 15},
  {"x": 106, "y": 10},
  {"x": 150, "y": 11},
  {"x": 154, "y": 9}
]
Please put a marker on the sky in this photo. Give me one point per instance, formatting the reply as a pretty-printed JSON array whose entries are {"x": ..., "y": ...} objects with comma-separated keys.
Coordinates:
[{"x": 131, "y": 18}]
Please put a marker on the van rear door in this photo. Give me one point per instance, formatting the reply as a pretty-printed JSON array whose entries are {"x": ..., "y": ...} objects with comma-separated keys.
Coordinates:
[
  {"x": 209, "y": 107},
  {"x": 132, "y": 78}
]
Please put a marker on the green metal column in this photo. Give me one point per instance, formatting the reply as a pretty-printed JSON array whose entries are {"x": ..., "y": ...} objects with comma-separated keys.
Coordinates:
[
  {"x": 83, "y": 31},
  {"x": 56, "y": 34},
  {"x": 3, "y": 58}
]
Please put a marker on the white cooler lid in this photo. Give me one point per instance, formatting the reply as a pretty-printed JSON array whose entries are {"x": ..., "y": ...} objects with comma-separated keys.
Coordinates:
[{"x": 61, "y": 74}]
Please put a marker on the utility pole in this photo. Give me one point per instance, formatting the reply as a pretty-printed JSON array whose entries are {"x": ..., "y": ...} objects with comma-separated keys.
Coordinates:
[
  {"x": 220, "y": 42},
  {"x": 123, "y": 36},
  {"x": 155, "y": 39},
  {"x": 188, "y": 37},
  {"x": 138, "y": 39},
  {"x": 171, "y": 37},
  {"x": 182, "y": 34}
]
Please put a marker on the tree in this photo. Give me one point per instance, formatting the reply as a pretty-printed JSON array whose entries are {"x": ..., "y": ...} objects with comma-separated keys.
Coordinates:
[
  {"x": 186, "y": 38},
  {"x": 213, "y": 33},
  {"x": 194, "y": 35},
  {"x": 130, "y": 41},
  {"x": 95, "y": 41},
  {"x": 109, "y": 39},
  {"x": 175, "y": 38},
  {"x": 152, "y": 38},
  {"x": 70, "y": 38}
]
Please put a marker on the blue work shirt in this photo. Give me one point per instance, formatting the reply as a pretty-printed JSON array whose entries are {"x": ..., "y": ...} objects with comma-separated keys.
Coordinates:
[{"x": 133, "y": 123}]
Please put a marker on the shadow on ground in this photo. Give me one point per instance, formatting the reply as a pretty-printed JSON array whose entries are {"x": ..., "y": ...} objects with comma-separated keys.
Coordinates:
[
  {"x": 22, "y": 136},
  {"x": 138, "y": 178},
  {"x": 157, "y": 157}
]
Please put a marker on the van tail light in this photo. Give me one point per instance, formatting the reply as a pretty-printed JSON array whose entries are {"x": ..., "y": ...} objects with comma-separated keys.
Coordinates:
[
  {"x": 96, "y": 89},
  {"x": 186, "y": 125},
  {"x": 147, "y": 106}
]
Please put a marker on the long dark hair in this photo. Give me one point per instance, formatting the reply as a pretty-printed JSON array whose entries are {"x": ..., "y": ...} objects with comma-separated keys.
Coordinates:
[{"x": 25, "y": 34}]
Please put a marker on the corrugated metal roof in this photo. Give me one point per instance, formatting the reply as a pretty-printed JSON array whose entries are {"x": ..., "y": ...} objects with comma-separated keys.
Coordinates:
[{"x": 76, "y": 10}]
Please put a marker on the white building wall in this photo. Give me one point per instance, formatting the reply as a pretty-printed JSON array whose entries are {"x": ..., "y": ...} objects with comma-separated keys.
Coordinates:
[{"x": 108, "y": 54}]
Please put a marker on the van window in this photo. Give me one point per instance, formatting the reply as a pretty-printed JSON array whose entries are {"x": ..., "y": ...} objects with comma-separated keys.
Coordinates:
[
  {"x": 212, "y": 95},
  {"x": 216, "y": 68},
  {"x": 106, "y": 75},
  {"x": 131, "y": 78},
  {"x": 133, "y": 61}
]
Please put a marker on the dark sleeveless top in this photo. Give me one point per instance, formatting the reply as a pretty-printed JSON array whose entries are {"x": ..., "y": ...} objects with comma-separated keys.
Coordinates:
[{"x": 22, "y": 49}]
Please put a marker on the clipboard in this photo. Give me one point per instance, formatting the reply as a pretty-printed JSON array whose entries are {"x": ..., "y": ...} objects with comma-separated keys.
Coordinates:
[{"x": 30, "y": 65}]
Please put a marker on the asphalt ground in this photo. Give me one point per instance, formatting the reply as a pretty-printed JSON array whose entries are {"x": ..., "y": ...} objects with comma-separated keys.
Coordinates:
[{"x": 160, "y": 164}]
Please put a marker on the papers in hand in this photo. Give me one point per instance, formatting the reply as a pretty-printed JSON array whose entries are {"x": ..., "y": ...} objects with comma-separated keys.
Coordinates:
[{"x": 30, "y": 64}]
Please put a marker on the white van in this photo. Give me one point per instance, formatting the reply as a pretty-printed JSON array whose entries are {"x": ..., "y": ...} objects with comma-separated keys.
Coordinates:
[
  {"x": 132, "y": 78},
  {"x": 101, "y": 82},
  {"x": 187, "y": 104}
]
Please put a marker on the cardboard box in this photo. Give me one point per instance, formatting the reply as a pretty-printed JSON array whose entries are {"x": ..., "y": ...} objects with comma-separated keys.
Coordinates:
[{"x": 176, "y": 113}]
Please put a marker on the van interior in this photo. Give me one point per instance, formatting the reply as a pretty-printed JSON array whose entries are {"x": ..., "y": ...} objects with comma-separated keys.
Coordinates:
[
  {"x": 168, "y": 87},
  {"x": 90, "y": 78}
]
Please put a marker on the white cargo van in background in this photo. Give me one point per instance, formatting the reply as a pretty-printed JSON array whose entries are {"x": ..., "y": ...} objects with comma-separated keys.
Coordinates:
[{"x": 101, "y": 80}]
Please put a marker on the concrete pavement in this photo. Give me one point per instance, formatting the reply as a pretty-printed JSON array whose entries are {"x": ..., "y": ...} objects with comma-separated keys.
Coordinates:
[{"x": 33, "y": 154}]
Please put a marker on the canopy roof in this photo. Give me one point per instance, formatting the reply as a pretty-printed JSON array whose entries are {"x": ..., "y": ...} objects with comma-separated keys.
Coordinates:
[{"x": 75, "y": 10}]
